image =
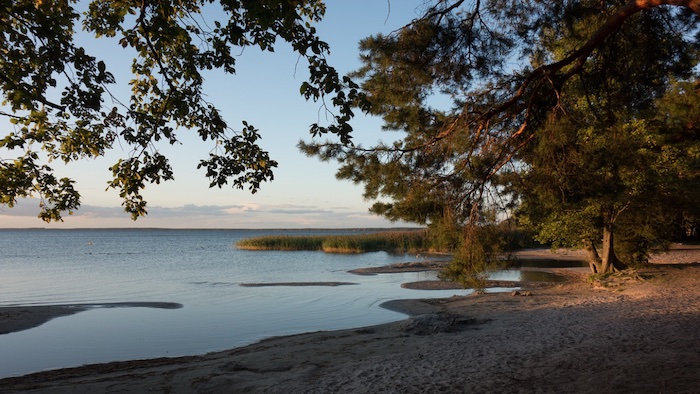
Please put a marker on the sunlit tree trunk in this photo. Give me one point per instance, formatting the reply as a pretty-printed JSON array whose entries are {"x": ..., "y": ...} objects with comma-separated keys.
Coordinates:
[
  {"x": 594, "y": 261},
  {"x": 608, "y": 262}
]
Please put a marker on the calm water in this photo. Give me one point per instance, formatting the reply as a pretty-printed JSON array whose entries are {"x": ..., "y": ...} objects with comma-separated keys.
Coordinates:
[{"x": 199, "y": 269}]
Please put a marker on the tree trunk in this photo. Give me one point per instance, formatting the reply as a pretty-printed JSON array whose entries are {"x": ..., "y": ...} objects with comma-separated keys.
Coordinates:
[
  {"x": 608, "y": 262},
  {"x": 594, "y": 261}
]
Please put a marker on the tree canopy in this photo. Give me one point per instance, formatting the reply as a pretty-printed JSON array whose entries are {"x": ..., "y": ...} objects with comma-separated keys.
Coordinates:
[
  {"x": 545, "y": 97},
  {"x": 57, "y": 95},
  {"x": 635, "y": 179}
]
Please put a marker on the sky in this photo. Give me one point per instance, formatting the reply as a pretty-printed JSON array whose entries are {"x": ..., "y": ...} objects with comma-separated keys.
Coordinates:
[{"x": 264, "y": 92}]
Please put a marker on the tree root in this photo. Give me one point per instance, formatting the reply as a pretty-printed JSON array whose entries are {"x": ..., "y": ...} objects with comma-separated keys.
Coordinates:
[{"x": 615, "y": 279}]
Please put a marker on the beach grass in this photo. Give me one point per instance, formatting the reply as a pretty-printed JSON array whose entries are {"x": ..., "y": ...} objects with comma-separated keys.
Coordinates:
[{"x": 407, "y": 241}]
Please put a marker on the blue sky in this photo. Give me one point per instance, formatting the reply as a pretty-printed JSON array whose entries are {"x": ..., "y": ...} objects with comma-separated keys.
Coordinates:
[{"x": 264, "y": 92}]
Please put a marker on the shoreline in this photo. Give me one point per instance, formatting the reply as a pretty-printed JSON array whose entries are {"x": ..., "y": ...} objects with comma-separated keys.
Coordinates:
[
  {"x": 619, "y": 335},
  {"x": 24, "y": 317}
]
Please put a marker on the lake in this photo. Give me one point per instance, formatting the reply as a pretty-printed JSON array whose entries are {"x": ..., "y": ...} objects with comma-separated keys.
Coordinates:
[{"x": 200, "y": 269}]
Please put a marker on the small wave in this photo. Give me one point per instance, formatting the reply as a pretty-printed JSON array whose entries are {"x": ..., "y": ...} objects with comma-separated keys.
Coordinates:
[
  {"x": 132, "y": 304},
  {"x": 331, "y": 284},
  {"x": 213, "y": 284}
]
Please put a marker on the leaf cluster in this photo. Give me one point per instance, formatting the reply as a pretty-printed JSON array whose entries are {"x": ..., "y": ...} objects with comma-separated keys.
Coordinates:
[{"x": 61, "y": 106}]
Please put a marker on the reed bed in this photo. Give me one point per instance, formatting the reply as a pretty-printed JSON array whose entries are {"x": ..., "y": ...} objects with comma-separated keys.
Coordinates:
[{"x": 410, "y": 241}]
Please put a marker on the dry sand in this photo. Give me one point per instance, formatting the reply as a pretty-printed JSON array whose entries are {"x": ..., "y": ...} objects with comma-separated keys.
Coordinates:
[{"x": 624, "y": 335}]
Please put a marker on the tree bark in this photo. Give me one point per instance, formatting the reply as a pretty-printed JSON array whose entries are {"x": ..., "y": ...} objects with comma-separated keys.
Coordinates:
[
  {"x": 608, "y": 257},
  {"x": 594, "y": 261},
  {"x": 608, "y": 262}
]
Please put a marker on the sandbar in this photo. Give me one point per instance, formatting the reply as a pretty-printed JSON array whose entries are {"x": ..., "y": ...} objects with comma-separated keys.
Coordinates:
[{"x": 19, "y": 318}]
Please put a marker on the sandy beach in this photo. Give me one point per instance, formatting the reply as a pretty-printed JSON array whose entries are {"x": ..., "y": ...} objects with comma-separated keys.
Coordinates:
[{"x": 625, "y": 334}]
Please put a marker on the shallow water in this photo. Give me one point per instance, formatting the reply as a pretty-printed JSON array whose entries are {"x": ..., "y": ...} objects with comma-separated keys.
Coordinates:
[
  {"x": 199, "y": 269},
  {"x": 527, "y": 276},
  {"x": 551, "y": 263}
]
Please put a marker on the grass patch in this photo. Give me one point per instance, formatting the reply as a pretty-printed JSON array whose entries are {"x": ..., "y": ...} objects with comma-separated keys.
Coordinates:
[
  {"x": 282, "y": 242},
  {"x": 411, "y": 241}
]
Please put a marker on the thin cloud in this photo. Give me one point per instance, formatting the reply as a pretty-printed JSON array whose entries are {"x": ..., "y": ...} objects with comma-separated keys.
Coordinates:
[
  {"x": 244, "y": 215},
  {"x": 300, "y": 211}
]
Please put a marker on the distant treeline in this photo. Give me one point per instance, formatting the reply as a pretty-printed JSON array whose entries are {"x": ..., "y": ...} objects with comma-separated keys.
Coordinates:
[{"x": 405, "y": 241}]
